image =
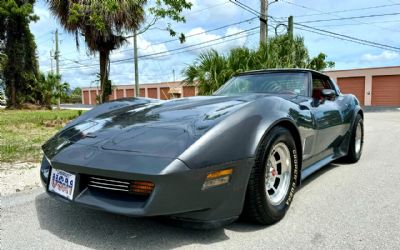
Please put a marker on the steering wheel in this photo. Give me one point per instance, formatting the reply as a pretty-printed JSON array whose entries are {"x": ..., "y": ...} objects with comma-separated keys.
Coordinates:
[{"x": 274, "y": 87}]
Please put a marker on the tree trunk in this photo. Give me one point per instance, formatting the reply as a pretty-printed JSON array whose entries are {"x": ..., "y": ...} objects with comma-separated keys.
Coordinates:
[
  {"x": 104, "y": 82},
  {"x": 13, "y": 94}
]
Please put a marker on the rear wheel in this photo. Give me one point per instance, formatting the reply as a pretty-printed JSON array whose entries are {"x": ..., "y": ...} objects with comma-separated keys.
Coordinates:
[
  {"x": 356, "y": 141},
  {"x": 273, "y": 178}
]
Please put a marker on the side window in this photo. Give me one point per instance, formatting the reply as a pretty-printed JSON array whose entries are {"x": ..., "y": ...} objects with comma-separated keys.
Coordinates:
[
  {"x": 335, "y": 85},
  {"x": 319, "y": 83}
]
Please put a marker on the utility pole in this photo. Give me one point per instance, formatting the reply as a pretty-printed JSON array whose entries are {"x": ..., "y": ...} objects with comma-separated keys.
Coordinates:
[
  {"x": 264, "y": 4},
  {"x": 51, "y": 61},
  {"x": 290, "y": 27},
  {"x": 57, "y": 58},
  {"x": 135, "y": 55},
  {"x": 173, "y": 74},
  {"x": 263, "y": 20}
]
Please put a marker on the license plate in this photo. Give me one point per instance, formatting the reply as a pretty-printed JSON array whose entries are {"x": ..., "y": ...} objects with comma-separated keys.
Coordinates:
[{"x": 62, "y": 183}]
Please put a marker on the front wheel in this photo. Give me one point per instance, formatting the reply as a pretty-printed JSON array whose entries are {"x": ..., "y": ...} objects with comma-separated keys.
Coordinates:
[
  {"x": 273, "y": 178},
  {"x": 356, "y": 141}
]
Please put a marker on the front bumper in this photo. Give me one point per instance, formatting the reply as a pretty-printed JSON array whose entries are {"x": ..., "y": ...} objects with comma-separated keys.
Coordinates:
[{"x": 178, "y": 189}]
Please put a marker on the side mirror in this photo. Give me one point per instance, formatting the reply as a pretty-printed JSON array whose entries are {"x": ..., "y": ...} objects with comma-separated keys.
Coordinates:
[{"x": 328, "y": 93}]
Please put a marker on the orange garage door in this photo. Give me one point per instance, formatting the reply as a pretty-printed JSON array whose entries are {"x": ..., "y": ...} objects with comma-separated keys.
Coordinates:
[
  {"x": 164, "y": 92},
  {"x": 386, "y": 90},
  {"x": 189, "y": 91},
  {"x": 86, "y": 97},
  {"x": 152, "y": 92},
  {"x": 353, "y": 85}
]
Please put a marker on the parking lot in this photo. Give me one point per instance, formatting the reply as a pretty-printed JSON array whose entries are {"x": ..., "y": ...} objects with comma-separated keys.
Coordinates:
[{"x": 340, "y": 207}]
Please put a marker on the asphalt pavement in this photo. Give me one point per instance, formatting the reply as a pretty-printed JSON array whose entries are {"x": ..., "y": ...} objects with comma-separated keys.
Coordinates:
[{"x": 340, "y": 207}]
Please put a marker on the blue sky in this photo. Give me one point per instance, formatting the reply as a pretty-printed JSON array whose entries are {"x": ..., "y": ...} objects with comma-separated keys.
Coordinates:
[{"x": 78, "y": 70}]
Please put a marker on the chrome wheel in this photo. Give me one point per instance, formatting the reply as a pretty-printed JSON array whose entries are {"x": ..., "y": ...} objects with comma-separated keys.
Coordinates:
[
  {"x": 359, "y": 137},
  {"x": 278, "y": 173}
]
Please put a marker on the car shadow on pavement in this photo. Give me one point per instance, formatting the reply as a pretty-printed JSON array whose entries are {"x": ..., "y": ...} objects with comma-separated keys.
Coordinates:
[
  {"x": 243, "y": 225},
  {"x": 101, "y": 230}
]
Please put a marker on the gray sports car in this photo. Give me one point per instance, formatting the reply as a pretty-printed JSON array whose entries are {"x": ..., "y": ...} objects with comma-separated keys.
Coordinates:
[{"x": 206, "y": 159}]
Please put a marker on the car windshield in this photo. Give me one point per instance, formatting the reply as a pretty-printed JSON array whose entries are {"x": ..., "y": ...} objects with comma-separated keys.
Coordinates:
[{"x": 277, "y": 83}]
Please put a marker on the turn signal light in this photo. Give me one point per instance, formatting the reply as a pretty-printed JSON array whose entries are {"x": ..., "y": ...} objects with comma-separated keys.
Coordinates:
[
  {"x": 219, "y": 173},
  {"x": 141, "y": 187},
  {"x": 217, "y": 178}
]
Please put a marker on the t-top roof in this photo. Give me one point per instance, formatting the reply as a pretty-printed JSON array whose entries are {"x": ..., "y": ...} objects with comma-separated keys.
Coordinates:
[{"x": 295, "y": 70}]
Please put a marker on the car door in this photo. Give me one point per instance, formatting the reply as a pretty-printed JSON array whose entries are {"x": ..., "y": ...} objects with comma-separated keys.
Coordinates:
[{"x": 327, "y": 116}]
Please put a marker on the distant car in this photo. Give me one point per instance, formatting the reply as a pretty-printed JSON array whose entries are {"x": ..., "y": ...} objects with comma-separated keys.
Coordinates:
[{"x": 206, "y": 159}]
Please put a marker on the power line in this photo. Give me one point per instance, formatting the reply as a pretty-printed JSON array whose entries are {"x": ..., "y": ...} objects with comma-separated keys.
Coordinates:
[
  {"x": 201, "y": 33},
  {"x": 192, "y": 35},
  {"x": 208, "y": 8},
  {"x": 340, "y": 38},
  {"x": 320, "y": 11},
  {"x": 196, "y": 34},
  {"x": 179, "y": 52},
  {"x": 251, "y": 10},
  {"x": 74, "y": 61},
  {"x": 246, "y": 7},
  {"x": 190, "y": 13},
  {"x": 352, "y": 24},
  {"x": 189, "y": 46},
  {"x": 202, "y": 47},
  {"x": 354, "y": 39},
  {"x": 160, "y": 54},
  {"x": 349, "y": 18},
  {"x": 206, "y": 46},
  {"x": 362, "y": 41},
  {"x": 342, "y": 11}
]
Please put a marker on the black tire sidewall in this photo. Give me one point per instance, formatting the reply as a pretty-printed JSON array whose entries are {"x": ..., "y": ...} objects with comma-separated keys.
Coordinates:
[
  {"x": 360, "y": 121},
  {"x": 279, "y": 135}
]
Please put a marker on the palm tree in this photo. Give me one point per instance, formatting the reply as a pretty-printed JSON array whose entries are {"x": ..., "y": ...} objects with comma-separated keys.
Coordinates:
[
  {"x": 50, "y": 87},
  {"x": 102, "y": 23},
  {"x": 211, "y": 69}
]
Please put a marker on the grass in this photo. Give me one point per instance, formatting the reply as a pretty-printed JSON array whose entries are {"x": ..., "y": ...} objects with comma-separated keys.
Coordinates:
[{"x": 22, "y": 132}]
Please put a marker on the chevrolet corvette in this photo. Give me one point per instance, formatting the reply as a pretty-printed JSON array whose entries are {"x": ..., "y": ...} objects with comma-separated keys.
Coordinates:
[{"x": 206, "y": 159}]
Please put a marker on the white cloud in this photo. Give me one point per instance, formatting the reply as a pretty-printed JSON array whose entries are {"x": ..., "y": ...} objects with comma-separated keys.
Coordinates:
[
  {"x": 199, "y": 35},
  {"x": 384, "y": 56},
  {"x": 145, "y": 47}
]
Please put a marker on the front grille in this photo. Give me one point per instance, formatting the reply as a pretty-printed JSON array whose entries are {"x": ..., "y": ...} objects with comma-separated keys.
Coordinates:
[{"x": 108, "y": 184}]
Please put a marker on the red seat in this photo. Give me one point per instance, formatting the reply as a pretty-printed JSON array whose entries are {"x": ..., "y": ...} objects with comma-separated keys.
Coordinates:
[{"x": 316, "y": 93}]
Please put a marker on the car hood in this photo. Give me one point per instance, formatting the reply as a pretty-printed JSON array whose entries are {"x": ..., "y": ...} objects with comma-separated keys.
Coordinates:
[{"x": 159, "y": 128}]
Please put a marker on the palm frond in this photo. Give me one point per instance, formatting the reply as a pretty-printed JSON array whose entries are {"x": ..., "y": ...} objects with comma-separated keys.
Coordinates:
[{"x": 212, "y": 69}]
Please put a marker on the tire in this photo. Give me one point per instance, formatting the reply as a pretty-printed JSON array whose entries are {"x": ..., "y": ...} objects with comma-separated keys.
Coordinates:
[
  {"x": 356, "y": 141},
  {"x": 263, "y": 204}
]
